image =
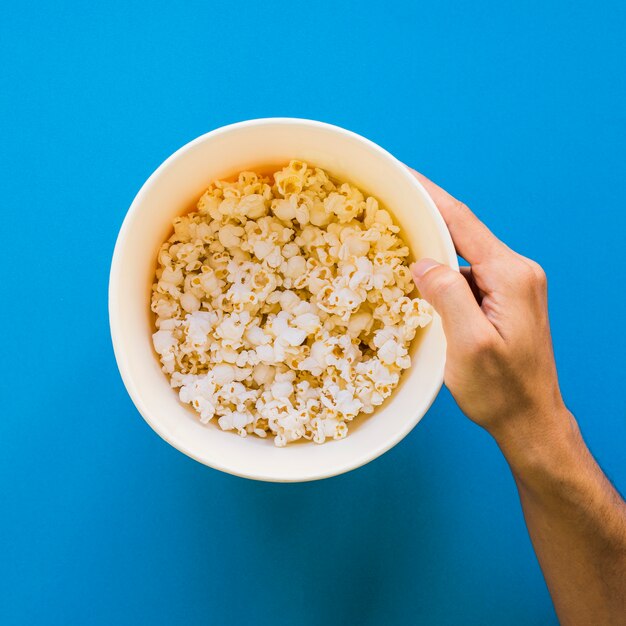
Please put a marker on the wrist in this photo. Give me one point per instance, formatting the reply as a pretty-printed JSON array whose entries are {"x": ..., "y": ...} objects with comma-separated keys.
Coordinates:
[{"x": 540, "y": 444}]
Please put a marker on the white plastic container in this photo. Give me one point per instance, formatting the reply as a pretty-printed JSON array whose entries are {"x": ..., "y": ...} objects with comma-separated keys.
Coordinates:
[{"x": 172, "y": 190}]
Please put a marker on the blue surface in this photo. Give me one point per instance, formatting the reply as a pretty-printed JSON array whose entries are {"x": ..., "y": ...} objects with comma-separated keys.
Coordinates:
[{"x": 518, "y": 108}]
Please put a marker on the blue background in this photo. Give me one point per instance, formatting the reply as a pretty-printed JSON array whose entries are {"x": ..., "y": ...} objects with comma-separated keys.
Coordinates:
[{"x": 517, "y": 108}]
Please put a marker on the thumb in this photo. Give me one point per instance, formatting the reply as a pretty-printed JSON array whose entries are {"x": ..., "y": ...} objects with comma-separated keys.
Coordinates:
[{"x": 450, "y": 295}]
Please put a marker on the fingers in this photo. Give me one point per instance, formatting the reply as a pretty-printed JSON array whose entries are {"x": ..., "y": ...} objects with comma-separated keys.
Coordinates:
[
  {"x": 472, "y": 239},
  {"x": 451, "y": 296}
]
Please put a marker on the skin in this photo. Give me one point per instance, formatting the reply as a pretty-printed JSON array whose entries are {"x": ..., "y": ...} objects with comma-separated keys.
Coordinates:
[{"x": 500, "y": 369}]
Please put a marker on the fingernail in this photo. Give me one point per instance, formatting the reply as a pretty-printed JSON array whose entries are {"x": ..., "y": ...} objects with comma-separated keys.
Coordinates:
[{"x": 422, "y": 267}]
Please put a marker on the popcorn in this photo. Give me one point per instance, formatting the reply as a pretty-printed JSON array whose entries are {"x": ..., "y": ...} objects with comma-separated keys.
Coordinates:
[
  {"x": 164, "y": 342},
  {"x": 263, "y": 374},
  {"x": 283, "y": 305},
  {"x": 307, "y": 322},
  {"x": 189, "y": 302},
  {"x": 199, "y": 325},
  {"x": 231, "y": 329},
  {"x": 230, "y": 235},
  {"x": 223, "y": 374},
  {"x": 295, "y": 266}
]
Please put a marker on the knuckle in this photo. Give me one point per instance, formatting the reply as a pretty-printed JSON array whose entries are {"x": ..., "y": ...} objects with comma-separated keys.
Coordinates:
[
  {"x": 540, "y": 274},
  {"x": 525, "y": 275},
  {"x": 532, "y": 275}
]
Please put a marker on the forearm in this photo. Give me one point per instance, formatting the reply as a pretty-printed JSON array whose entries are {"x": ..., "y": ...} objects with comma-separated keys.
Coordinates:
[{"x": 576, "y": 520}]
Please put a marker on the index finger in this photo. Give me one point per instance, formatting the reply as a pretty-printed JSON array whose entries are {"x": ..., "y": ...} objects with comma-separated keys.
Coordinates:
[{"x": 472, "y": 239}]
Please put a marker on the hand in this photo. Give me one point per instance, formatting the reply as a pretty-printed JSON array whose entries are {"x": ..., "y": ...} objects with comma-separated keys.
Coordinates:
[{"x": 500, "y": 365}]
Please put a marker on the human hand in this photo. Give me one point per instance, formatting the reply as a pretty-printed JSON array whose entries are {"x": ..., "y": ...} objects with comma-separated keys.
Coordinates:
[
  {"x": 500, "y": 365},
  {"x": 500, "y": 369}
]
